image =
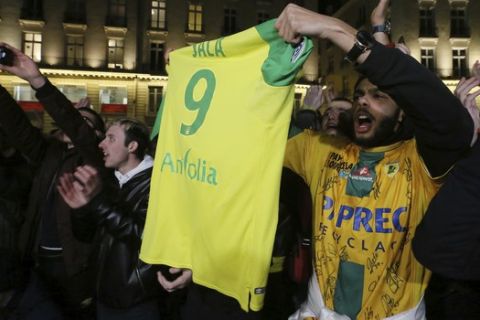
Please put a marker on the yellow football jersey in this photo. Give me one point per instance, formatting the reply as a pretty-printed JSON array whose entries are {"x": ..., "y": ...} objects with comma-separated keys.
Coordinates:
[
  {"x": 367, "y": 205},
  {"x": 222, "y": 134}
]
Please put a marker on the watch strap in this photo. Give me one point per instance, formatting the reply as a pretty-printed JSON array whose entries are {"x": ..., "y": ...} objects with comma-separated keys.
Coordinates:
[
  {"x": 355, "y": 52},
  {"x": 363, "y": 42},
  {"x": 384, "y": 27}
]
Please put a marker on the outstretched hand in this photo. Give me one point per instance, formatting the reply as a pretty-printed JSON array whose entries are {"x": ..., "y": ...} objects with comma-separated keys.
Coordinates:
[
  {"x": 317, "y": 95},
  {"x": 314, "y": 97},
  {"x": 81, "y": 187},
  {"x": 23, "y": 67}
]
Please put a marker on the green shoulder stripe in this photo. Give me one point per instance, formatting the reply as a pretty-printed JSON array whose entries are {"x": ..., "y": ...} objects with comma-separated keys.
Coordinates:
[
  {"x": 284, "y": 60},
  {"x": 158, "y": 120}
]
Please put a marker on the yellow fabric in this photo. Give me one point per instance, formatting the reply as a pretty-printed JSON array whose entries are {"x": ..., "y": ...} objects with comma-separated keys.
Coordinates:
[
  {"x": 393, "y": 280},
  {"x": 214, "y": 194}
]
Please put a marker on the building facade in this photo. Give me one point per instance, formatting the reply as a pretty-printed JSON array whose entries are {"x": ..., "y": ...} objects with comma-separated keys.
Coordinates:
[
  {"x": 444, "y": 35},
  {"x": 111, "y": 51}
]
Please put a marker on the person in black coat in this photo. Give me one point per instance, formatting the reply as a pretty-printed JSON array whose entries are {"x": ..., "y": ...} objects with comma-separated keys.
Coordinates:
[
  {"x": 126, "y": 287},
  {"x": 447, "y": 241},
  {"x": 60, "y": 282},
  {"x": 16, "y": 175}
]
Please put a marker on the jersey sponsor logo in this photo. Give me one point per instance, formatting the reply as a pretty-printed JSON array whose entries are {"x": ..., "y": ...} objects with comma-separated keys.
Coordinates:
[
  {"x": 362, "y": 219},
  {"x": 197, "y": 170},
  {"x": 297, "y": 53},
  {"x": 208, "y": 49},
  {"x": 362, "y": 174}
]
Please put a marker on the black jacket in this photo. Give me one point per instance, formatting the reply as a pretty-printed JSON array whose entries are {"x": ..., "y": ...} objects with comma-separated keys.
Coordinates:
[
  {"x": 123, "y": 280},
  {"x": 50, "y": 158},
  {"x": 447, "y": 241},
  {"x": 15, "y": 181}
]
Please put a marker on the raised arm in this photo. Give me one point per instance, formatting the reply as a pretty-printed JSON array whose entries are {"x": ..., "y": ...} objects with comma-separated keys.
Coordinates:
[
  {"x": 443, "y": 128},
  {"x": 295, "y": 22},
  {"x": 380, "y": 24},
  {"x": 20, "y": 132},
  {"x": 58, "y": 106}
]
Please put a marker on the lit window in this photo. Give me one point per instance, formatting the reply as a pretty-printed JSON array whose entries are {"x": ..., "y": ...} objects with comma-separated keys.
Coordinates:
[
  {"x": 32, "y": 45},
  {"x": 115, "y": 53},
  {"x": 158, "y": 15},
  {"x": 75, "y": 50},
  {"x": 155, "y": 95},
  {"x": 427, "y": 58},
  {"x": 195, "y": 16},
  {"x": 459, "y": 57},
  {"x": 113, "y": 102},
  {"x": 74, "y": 93}
]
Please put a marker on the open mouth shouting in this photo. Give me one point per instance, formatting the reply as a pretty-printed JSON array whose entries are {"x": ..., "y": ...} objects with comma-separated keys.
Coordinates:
[
  {"x": 363, "y": 121},
  {"x": 332, "y": 124}
]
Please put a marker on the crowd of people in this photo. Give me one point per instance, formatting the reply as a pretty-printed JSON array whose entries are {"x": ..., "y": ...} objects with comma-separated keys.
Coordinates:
[{"x": 380, "y": 189}]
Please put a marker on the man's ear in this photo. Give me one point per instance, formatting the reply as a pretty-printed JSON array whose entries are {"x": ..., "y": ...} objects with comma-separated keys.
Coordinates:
[
  {"x": 400, "y": 119},
  {"x": 401, "y": 116},
  {"x": 132, "y": 146}
]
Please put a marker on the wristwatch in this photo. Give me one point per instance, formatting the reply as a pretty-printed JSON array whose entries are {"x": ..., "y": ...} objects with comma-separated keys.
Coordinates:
[
  {"x": 385, "y": 28},
  {"x": 363, "y": 42}
]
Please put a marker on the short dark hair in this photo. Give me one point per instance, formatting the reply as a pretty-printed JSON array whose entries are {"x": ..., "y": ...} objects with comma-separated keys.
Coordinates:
[
  {"x": 360, "y": 79},
  {"x": 135, "y": 131}
]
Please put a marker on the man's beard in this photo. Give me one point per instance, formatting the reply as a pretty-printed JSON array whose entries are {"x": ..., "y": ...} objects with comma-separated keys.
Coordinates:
[{"x": 384, "y": 135}]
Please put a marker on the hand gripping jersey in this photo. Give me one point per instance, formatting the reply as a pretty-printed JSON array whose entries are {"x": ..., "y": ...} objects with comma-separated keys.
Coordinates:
[
  {"x": 362, "y": 239},
  {"x": 214, "y": 194}
]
